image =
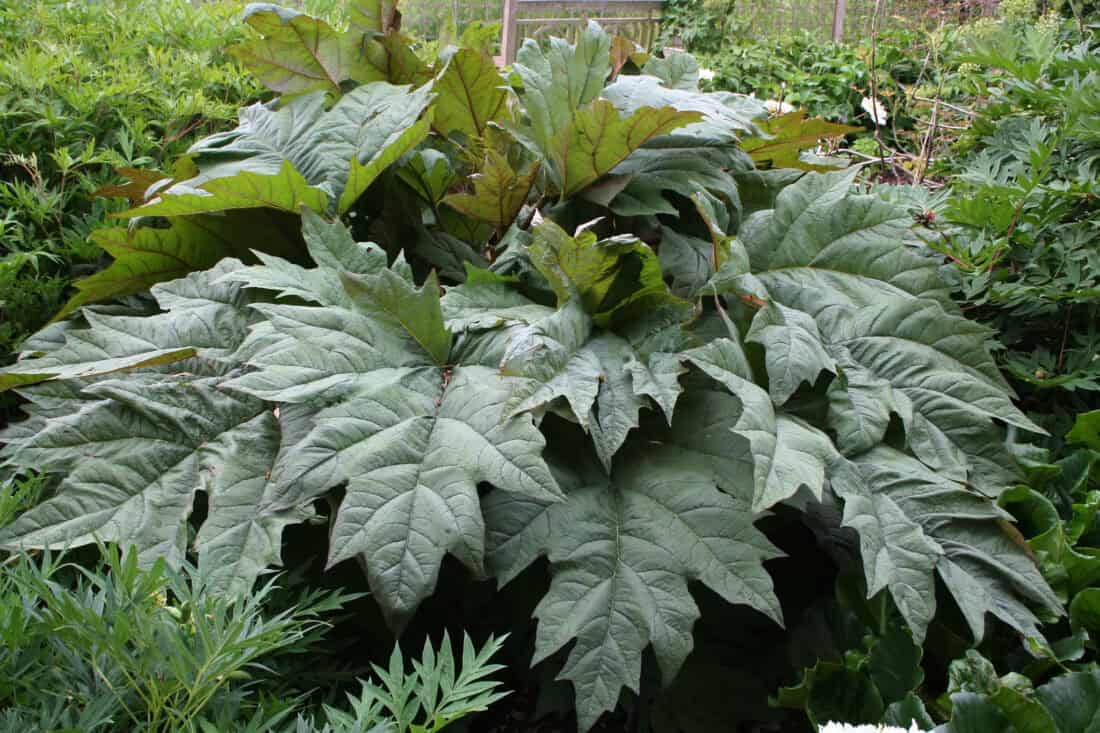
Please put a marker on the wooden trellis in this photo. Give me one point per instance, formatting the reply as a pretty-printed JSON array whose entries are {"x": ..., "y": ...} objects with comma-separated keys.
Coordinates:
[{"x": 638, "y": 20}]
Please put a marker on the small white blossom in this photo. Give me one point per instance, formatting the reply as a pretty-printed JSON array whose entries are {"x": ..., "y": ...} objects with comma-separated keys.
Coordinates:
[
  {"x": 706, "y": 74},
  {"x": 879, "y": 114},
  {"x": 847, "y": 728},
  {"x": 776, "y": 107}
]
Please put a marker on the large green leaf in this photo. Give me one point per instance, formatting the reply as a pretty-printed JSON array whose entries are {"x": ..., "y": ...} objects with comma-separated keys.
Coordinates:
[
  {"x": 340, "y": 150},
  {"x": 472, "y": 93},
  {"x": 598, "y": 138},
  {"x": 561, "y": 79},
  {"x": 985, "y": 566},
  {"x": 299, "y": 54},
  {"x": 935, "y": 371},
  {"x": 619, "y": 584},
  {"x": 201, "y": 319},
  {"x": 787, "y": 453},
  {"x": 410, "y": 432},
  {"x": 725, "y": 117},
  {"x": 823, "y": 246},
  {"x": 146, "y": 256},
  {"x": 133, "y": 452},
  {"x": 644, "y": 183},
  {"x": 285, "y": 190},
  {"x": 793, "y": 349}
]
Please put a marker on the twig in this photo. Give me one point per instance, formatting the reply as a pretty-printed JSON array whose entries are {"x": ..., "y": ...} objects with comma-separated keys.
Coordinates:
[
  {"x": 956, "y": 108},
  {"x": 1065, "y": 338}
]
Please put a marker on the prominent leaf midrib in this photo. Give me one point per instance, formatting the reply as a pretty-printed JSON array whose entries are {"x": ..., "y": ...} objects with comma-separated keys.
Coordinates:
[
  {"x": 683, "y": 528},
  {"x": 313, "y": 48},
  {"x": 934, "y": 346}
]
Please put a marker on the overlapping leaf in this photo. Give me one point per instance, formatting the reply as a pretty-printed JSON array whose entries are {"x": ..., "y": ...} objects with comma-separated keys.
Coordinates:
[
  {"x": 471, "y": 95},
  {"x": 411, "y": 433},
  {"x": 299, "y": 54},
  {"x": 340, "y": 151},
  {"x": 133, "y": 452},
  {"x": 620, "y": 579},
  {"x": 911, "y": 519}
]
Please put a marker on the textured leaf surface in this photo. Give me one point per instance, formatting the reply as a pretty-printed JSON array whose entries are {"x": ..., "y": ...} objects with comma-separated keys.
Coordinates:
[
  {"x": 619, "y": 585},
  {"x": 285, "y": 190},
  {"x": 787, "y": 453},
  {"x": 561, "y": 79},
  {"x": 499, "y": 191},
  {"x": 410, "y": 433},
  {"x": 985, "y": 569},
  {"x": 471, "y": 95},
  {"x": 340, "y": 150},
  {"x": 299, "y": 54},
  {"x": 823, "y": 246},
  {"x": 793, "y": 349},
  {"x": 147, "y": 256},
  {"x": 599, "y": 138},
  {"x": 204, "y": 319}
]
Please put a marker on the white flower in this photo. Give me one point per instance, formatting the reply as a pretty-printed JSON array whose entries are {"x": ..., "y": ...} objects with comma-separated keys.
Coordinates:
[
  {"x": 776, "y": 107},
  {"x": 879, "y": 114},
  {"x": 706, "y": 74},
  {"x": 846, "y": 728}
]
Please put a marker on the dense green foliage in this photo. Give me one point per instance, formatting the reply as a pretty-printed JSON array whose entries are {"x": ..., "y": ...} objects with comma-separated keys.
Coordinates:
[
  {"x": 90, "y": 87},
  {"x": 593, "y": 368},
  {"x": 119, "y": 648}
]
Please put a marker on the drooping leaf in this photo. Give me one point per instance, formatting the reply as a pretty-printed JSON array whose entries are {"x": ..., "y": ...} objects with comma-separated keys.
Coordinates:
[
  {"x": 986, "y": 569},
  {"x": 299, "y": 54},
  {"x": 787, "y": 453},
  {"x": 146, "y": 256},
  {"x": 199, "y": 318},
  {"x": 133, "y": 452},
  {"x": 618, "y": 587},
  {"x": 896, "y": 552},
  {"x": 793, "y": 349}
]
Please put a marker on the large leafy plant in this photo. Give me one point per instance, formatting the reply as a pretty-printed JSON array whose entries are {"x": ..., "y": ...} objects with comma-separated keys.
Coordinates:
[{"x": 586, "y": 329}]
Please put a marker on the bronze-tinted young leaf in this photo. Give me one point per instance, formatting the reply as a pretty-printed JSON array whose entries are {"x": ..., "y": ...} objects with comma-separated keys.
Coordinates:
[
  {"x": 471, "y": 95},
  {"x": 499, "y": 191},
  {"x": 790, "y": 134},
  {"x": 146, "y": 256},
  {"x": 286, "y": 190},
  {"x": 599, "y": 138},
  {"x": 299, "y": 54}
]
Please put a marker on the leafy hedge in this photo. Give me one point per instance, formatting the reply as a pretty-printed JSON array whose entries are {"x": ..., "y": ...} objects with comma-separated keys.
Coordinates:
[
  {"x": 585, "y": 329},
  {"x": 90, "y": 87}
]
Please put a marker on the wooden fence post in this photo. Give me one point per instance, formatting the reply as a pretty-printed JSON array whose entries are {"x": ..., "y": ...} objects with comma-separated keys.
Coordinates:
[
  {"x": 510, "y": 33},
  {"x": 839, "y": 13}
]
